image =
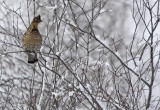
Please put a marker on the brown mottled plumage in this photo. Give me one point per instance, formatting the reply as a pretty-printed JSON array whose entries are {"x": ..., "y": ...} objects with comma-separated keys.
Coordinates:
[{"x": 32, "y": 40}]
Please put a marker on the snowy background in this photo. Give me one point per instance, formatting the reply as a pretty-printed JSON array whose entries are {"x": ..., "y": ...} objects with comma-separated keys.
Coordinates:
[{"x": 96, "y": 54}]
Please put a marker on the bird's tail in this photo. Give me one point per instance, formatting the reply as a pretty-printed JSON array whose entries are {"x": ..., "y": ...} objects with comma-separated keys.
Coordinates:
[{"x": 32, "y": 57}]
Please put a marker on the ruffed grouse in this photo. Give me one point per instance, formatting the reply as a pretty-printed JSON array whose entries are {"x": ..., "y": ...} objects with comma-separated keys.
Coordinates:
[{"x": 32, "y": 40}]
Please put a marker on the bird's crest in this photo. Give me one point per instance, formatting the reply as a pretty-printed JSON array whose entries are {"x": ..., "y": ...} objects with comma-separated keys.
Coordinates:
[{"x": 37, "y": 19}]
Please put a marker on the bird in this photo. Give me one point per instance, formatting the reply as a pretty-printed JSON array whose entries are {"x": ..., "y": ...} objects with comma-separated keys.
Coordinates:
[{"x": 32, "y": 40}]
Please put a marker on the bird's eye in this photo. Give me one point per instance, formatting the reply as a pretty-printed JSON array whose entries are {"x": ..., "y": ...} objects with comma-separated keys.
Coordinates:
[{"x": 37, "y": 20}]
